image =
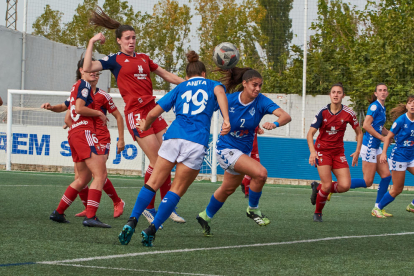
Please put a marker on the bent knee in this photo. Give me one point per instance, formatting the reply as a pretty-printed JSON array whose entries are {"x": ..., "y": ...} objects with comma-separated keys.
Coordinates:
[{"x": 261, "y": 176}]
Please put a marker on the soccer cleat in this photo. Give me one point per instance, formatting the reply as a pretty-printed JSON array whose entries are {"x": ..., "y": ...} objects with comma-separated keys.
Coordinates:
[
  {"x": 94, "y": 222},
  {"x": 81, "y": 214},
  {"x": 257, "y": 216},
  {"x": 204, "y": 221},
  {"x": 329, "y": 197},
  {"x": 150, "y": 214},
  {"x": 61, "y": 218},
  {"x": 317, "y": 217},
  {"x": 243, "y": 188},
  {"x": 119, "y": 209},
  {"x": 128, "y": 230},
  {"x": 314, "y": 186},
  {"x": 410, "y": 208},
  {"x": 386, "y": 214},
  {"x": 377, "y": 212},
  {"x": 148, "y": 235},
  {"x": 176, "y": 218}
]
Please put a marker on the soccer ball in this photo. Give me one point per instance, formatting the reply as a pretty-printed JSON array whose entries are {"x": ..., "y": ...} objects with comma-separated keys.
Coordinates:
[{"x": 226, "y": 55}]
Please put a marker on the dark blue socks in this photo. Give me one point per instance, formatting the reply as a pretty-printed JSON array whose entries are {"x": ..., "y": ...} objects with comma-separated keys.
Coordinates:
[
  {"x": 144, "y": 198},
  {"x": 167, "y": 206},
  {"x": 358, "y": 183}
]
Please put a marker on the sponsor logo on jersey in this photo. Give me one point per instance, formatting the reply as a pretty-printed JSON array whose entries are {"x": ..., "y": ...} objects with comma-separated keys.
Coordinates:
[
  {"x": 140, "y": 69},
  {"x": 231, "y": 110},
  {"x": 140, "y": 75},
  {"x": 325, "y": 120},
  {"x": 85, "y": 92},
  {"x": 79, "y": 124},
  {"x": 126, "y": 60},
  {"x": 332, "y": 131},
  {"x": 252, "y": 111},
  {"x": 140, "y": 100}
]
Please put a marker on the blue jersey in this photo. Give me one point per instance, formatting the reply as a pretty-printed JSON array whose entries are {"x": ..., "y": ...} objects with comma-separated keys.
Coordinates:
[
  {"x": 193, "y": 102},
  {"x": 403, "y": 129},
  {"x": 244, "y": 118},
  {"x": 377, "y": 111}
]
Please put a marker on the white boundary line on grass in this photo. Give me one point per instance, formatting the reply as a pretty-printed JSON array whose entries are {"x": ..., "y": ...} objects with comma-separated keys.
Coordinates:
[
  {"x": 136, "y": 270},
  {"x": 219, "y": 248}
]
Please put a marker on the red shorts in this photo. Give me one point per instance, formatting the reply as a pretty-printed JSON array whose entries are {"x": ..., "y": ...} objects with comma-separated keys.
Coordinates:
[
  {"x": 141, "y": 113},
  {"x": 336, "y": 159},
  {"x": 83, "y": 144},
  {"x": 104, "y": 141}
]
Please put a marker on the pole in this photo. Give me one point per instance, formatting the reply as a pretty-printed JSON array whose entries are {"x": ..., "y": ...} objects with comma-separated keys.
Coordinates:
[{"x": 305, "y": 51}]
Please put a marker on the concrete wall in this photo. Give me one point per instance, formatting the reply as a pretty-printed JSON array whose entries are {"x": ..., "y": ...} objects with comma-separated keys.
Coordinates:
[{"x": 49, "y": 65}]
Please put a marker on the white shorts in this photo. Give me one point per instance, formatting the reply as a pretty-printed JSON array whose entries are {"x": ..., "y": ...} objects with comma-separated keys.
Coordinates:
[
  {"x": 183, "y": 151},
  {"x": 227, "y": 158},
  {"x": 369, "y": 154},
  {"x": 399, "y": 166}
]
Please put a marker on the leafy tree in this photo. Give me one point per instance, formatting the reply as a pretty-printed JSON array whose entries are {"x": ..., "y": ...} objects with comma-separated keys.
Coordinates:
[{"x": 49, "y": 24}]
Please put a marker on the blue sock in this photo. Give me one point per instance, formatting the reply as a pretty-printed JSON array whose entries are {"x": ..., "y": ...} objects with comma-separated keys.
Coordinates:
[
  {"x": 412, "y": 202},
  {"x": 167, "y": 206},
  {"x": 358, "y": 183},
  {"x": 254, "y": 198},
  {"x": 387, "y": 199},
  {"x": 382, "y": 188},
  {"x": 213, "y": 206},
  {"x": 144, "y": 198}
]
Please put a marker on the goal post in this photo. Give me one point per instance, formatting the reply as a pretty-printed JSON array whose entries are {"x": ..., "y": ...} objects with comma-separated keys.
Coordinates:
[{"x": 35, "y": 137}]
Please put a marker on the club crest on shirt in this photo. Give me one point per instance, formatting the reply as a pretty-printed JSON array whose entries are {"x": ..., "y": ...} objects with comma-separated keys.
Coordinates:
[
  {"x": 373, "y": 107},
  {"x": 325, "y": 120},
  {"x": 252, "y": 111},
  {"x": 342, "y": 121},
  {"x": 232, "y": 110},
  {"x": 85, "y": 92},
  {"x": 394, "y": 125}
]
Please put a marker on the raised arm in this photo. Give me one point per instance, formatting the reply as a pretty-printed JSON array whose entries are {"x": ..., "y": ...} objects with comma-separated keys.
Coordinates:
[
  {"x": 120, "y": 124},
  {"x": 313, "y": 155},
  {"x": 224, "y": 108},
  {"x": 283, "y": 119},
  {"x": 90, "y": 66},
  {"x": 167, "y": 76}
]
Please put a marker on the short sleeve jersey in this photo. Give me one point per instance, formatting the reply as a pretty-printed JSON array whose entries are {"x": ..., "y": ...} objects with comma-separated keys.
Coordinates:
[
  {"x": 103, "y": 102},
  {"x": 403, "y": 129},
  {"x": 378, "y": 113},
  {"x": 132, "y": 74},
  {"x": 332, "y": 127},
  {"x": 81, "y": 90},
  {"x": 193, "y": 102},
  {"x": 244, "y": 118}
]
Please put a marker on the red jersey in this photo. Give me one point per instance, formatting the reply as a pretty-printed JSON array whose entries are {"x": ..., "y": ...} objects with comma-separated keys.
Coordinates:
[
  {"x": 255, "y": 149},
  {"x": 132, "y": 74},
  {"x": 81, "y": 90},
  {"x": 104, "y": 103},
  {"x": 332, "y": 127}
]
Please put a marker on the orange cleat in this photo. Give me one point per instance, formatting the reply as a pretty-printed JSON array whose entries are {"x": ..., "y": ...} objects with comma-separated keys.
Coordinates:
[
  {"x": 81, "y": 214},
  {"x": 119, "y": 208}
]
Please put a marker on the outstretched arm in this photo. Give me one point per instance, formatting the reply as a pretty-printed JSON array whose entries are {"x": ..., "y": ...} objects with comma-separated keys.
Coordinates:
[
  {"x": 167, "y": 76},
  {"x": 55, "y": 108}
]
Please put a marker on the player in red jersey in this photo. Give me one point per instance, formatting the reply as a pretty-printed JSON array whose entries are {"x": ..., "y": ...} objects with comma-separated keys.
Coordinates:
[
  {"x": 255, "y": 155},
  {"x": 88, "y": 155},
  {"x": 102, "y": 102},
  {"x": 328, "y": 152},
  {"x": 132, "y": 73}
]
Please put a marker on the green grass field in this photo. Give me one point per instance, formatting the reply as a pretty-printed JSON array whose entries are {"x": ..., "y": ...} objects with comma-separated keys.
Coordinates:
[{"x": 349, "y": 241}]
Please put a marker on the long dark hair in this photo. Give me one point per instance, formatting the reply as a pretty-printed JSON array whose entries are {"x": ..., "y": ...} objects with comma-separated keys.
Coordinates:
[
  {"x": 80, "y": 65},
  {"x": 234, "y": 78},
  {"x": 373, "y": 97},
  {"x": 194, "y": 66},
  {"x": 400, "y": 109},
  {"x": 100, "y": 18}
]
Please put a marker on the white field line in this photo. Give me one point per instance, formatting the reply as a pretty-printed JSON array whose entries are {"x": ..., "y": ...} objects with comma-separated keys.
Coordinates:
[
  {"x": 135, "y": 270},
  {"x": 220, "y": 248}
]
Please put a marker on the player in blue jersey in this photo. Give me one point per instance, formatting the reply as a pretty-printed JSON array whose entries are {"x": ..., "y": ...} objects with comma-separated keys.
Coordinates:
[
  {"x": 184, "y": 145},
  {"x": 247, "y": 107},
  {"x": 402, "y": 156},
  {"x": 371, "y": 150}
]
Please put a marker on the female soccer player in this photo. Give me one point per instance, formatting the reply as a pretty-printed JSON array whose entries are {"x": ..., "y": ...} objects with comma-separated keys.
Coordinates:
[
  {"x": 328, "y": 152},
  {"x": 402, "y": 155},
  {"x": 102, "y": 102},
  {"x": 247, "y": 108},
  {"x": 255, "y": 155},
  {"x": 88, "y": 155},
  {"x": 185, "y": 143},
  {"x": 132, "y": 73},
  {"x": 371, "y": 150}
]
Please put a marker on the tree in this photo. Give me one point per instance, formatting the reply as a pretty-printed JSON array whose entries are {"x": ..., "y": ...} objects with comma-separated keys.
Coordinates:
[
  {"x": 277, "y": 27},
  {"x": 49, "y": 24}
]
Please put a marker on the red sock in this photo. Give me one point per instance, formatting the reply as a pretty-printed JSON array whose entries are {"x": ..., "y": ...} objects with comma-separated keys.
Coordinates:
[
  {"x": 321, "y": 200},
  {"x": 246, "y": 183},
  {"x": 83, "y": 194},
  {"x": 165, "y": 187},
  {"x": 146, "y": 178},
  {"x": 94, "y": 198},
  {"x": 334, "y": 187},
  {"x": 110, "y": 191},
  {"x": 68, "y": 197}
]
